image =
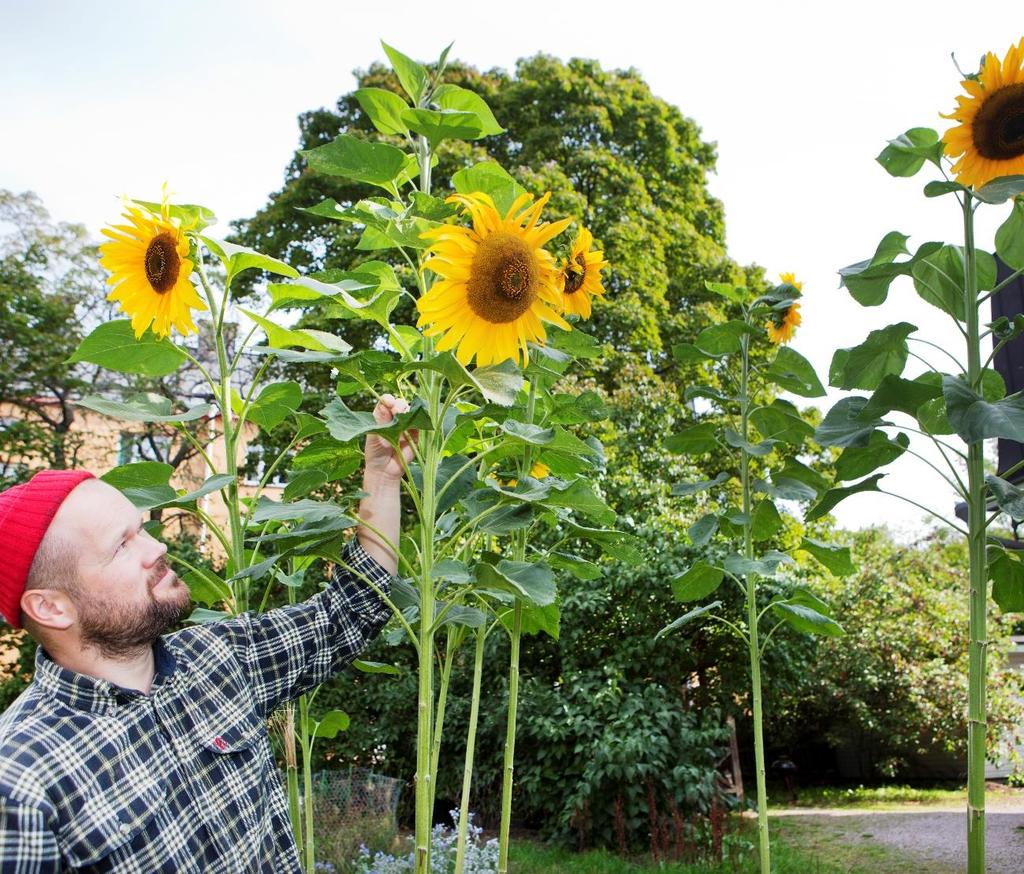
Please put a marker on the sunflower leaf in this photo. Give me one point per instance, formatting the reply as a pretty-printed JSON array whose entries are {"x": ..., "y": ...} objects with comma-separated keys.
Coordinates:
[
  {"x": 346, "y": 425},
  {"x": 794, "y": 373},
  {"x": 316, "y": 341},
  {"x": 492, "y": 179},
  {"x": 974, "y": 418},
  {"x": 143, "y": 408},
  {"x": 835, "y": 558},
  {"x": 374, "y": 163},
  {"x": 884, "y": 352},
  {"x": 1000, "y": 190},
  {"x": 443, "y": 124},
  {"x": 868, "y": 281},
  {"x": 412, "y": 76},
  {"x": 237, "y": 259},
  {"x": 807, "y": 619},
  {"x": 464, "y": 100},
  {"x": 1007, "y": 575},
  {"x": 533, "y": 582},
  {"x": 695, "y": 440},
  {"x": 906, "y": 154},
  {"x": 857, "y": 461},
  {"x": 733, "y": 293},
  {"x": 688, "y": 617},
  {"x": 384, "y": 109},
  {"x": 113, "y": 345},
  {"x": 699, "y": 581},
  {"x": 1010, "y": 238},
  {"x": 843, "y": 425},
  {"x": 939, "y": 278},
  {"x": 833, "y": 496}
]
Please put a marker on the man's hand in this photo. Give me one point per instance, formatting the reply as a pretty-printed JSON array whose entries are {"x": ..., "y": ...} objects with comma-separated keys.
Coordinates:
[
  {"x": 381, "y": 460},
  {"x": 380, "y": 510}
]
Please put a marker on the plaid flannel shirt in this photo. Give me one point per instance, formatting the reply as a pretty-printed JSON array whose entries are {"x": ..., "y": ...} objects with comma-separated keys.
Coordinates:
[{"x": 94, "y": 777}]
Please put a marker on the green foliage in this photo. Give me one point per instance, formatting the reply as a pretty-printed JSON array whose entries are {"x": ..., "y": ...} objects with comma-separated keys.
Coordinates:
[{"x": 893, "y": 693}]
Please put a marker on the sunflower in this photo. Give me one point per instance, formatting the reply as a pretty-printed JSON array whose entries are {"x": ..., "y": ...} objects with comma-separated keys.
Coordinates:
[
  {"x": 581, "y": 275},
  {"x": 790, "y": 279},
  {"x": 150, "y": 273},
  {"x": 990, "y": 137},
  {"x": 783, "y": 324},
  {"x": 498, "y": 285}
]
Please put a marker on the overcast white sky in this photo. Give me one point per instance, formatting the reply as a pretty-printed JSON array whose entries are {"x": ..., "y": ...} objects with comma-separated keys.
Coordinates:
[{"x": 100, "y": 99}]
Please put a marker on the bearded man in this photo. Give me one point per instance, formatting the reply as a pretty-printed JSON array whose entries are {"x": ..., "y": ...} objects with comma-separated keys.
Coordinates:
[{"x": 137, "y": 751}]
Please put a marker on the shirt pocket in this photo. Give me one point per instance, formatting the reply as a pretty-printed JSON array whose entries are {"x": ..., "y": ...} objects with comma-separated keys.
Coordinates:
[{"x": 119, "y": 803}]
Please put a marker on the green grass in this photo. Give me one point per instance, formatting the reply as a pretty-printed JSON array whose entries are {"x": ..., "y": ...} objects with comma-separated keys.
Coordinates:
[
  {"x": 871, "y": 797},
  {"x": 797, "y": 848}
]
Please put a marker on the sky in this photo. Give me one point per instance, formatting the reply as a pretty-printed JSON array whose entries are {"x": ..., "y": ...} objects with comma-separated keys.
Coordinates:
[{"x": 103, "y": 99}]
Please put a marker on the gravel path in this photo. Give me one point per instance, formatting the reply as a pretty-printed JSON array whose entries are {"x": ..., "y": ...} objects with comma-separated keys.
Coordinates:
[{"x": 934, "y": 835}]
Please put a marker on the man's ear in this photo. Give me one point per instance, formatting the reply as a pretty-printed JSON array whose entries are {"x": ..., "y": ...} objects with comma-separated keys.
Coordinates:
[{"x": 48, "y": 608}]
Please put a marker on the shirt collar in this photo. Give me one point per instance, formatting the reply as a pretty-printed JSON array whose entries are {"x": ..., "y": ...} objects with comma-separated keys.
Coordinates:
[{"x": 84, "y": 692}]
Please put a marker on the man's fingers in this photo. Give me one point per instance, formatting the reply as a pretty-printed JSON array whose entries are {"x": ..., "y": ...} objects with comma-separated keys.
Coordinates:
[{"x": 388, "y": 407}]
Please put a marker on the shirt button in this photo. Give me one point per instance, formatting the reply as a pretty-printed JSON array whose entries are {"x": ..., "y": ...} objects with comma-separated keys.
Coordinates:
[{"x": 124, "y": 827}]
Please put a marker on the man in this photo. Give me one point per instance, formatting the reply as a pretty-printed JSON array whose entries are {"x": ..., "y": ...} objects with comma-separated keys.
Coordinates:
[{"x": 136, "y": 752}]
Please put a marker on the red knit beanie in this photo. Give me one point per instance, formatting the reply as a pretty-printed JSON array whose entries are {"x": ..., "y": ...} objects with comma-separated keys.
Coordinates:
[{"x": 26, "y": 511}]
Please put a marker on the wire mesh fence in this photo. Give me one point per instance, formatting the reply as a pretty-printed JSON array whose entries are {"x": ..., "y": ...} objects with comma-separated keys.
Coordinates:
[{"x": 352, "y": 807}]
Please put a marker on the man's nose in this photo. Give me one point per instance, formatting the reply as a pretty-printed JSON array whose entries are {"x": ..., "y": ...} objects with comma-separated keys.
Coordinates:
[{"x": 155, "y": 551}]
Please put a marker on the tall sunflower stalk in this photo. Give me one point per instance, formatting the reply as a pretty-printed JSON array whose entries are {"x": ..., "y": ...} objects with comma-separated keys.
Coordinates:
[
  {"x": 753, "y": 432},
  {"x": 489, "y": 293},
  {"x": 153, "y": 259},
  {"x": 969, "y": 402}
]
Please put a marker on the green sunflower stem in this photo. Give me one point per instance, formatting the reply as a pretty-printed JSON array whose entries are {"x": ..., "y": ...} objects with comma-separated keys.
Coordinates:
[
  {"x": 431, "y": 456},
  {"x": 229, "y": 438},
  {"x": 510, "y": 739},
  {"x": 518, "y": 554},
  {"x": 764, "y": 843},
  {"x": 976, "y": 524},
  {"x": 467, "y": 770}
]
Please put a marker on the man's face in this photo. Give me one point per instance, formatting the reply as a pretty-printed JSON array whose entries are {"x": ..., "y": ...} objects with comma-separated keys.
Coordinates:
[{"x": 125, "y": 595}]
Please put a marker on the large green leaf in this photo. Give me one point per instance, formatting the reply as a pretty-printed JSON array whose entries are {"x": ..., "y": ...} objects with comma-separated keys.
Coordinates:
[
  {"x": 1007, "y": 575},
  {"x": 939, "y": 278},
  {"x": 138, "y": 474},
  {"x": 974, "y": 418},
  {"x": 438, "y": 125},
  {"x": 761, "y": 449},
  {"x": 868, "y": 281},
  {"x": 237, "y": 258},
  {"x": 307, "y": 510},
  {"x": 275, "y": 403},
  {"x": 374, "y": 163},
  {"x": 807, "y": 619},
  {"x": 578, "y": 567},
  {"x": 833, "y": 496},
  {"x": 884, "y": 352},
  {"x": 113, "y": 345},
  {"x": 463, "y": 100},
  {"x": 144, "y": 408},
  {"x": 843, "y": 425},
  {"x": 330, "y": 457},
  {"x": 192, "y": 216},
  {"x": 344, "y": 424},
  {"x": 701, "y": 531},
  {"x": 835, "y": 558},
  {"x": 723, "y": 338},
  {"x": 616, "y": 544},
  {"x": 694, "y": 441},
  {"x": 688, "y": 617},
  {"x": 384, "y": 109},
  {"x": 686, "y": 489},
  {"x": 781, "y": 421},
  {"x": 206, "y": 587},
  {"x": 794, "y": 373},
  {"x": 857, "y": 461},
  {"x": 895, "y": 394},
  {"x": 1010, "y": 237},
  {"x": 412, "y": 75},
  {"x": 765, "y": 521},
  {"x": 498, "y": 383},
  {"x": 765, "y": 566},
  {"x": 1008, "y": 497},
  {"x": 579, "y": 495},
  {"x": 317, "y": 341},
  {"x": 906, "y": 154},
  {"x": 798, "y": 472},
  {"x": 1001, "y": 189},
  {"x": 332, "y": 722},
  {"x": 698, "y": 582},
  {"x": 533, "y": 582},
  {"x": 492, "y": 179}
]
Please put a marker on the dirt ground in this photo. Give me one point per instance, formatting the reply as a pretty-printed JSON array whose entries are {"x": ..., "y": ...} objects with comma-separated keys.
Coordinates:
[{"x": 935, "y": 836}]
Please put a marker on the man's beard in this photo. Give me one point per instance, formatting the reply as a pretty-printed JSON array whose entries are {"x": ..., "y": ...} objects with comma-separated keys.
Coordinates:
[{"x": 119, "y": 632}]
